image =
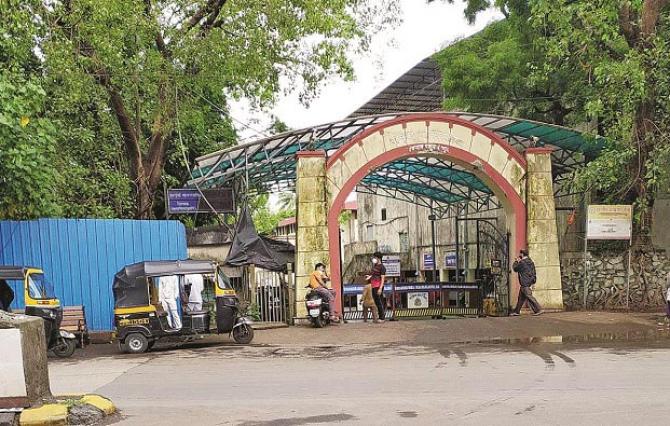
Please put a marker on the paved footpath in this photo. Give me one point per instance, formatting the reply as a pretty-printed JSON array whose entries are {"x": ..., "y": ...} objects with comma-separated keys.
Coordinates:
[{"x": 400, "y": 376}]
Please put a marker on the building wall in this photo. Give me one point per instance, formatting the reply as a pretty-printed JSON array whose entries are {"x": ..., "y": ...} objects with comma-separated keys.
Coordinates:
[
  {"x": 285, "y": 233},
  {"x": 407, "y": 230},
  {"x": 607, "y": 280}
]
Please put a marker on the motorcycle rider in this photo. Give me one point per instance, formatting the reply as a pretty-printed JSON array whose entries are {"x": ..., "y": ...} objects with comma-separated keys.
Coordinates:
[{"x": 317, "y": 282}]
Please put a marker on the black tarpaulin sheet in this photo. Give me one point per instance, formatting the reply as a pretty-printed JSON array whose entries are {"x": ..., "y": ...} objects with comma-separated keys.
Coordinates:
[{"x": 249, "y": 248}]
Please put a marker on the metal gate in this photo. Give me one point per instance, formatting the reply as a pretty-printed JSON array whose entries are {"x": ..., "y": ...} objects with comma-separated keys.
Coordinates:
[
  {"x": 272, "y": 296},
  {"x": 492, "y": 261}
]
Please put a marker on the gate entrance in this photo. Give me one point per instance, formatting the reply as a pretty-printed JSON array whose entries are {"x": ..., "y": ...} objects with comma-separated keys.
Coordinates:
[
  {"x": 408, "y": 156},
  {"x": 271, "y": 295},
  {"x": 492, "y": 260}
]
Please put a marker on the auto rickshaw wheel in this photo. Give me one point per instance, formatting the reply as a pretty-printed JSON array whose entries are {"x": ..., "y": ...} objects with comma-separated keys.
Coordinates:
[
  {"x": 135, "y": 343},
  {"x": 65, "y": 348},
  {"x": 243, "y": 334}
]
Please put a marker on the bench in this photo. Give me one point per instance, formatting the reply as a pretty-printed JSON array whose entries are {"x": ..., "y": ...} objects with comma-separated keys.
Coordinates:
[{"x": 74, "y": 321}]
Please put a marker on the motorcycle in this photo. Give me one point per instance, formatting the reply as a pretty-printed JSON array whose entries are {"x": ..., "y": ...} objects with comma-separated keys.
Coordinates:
[
  {"x": 61, "y": 342},
  {"x": 317, "y": 311}
]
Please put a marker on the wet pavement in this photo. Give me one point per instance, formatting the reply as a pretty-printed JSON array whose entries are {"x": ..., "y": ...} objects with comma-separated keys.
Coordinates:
[{"x": 400, "y": 376}]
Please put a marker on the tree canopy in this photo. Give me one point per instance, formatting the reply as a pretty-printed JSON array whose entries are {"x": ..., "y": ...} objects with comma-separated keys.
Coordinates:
[
  {"x": 596, "y": 64},
  {"x": 130, "y": 91}
]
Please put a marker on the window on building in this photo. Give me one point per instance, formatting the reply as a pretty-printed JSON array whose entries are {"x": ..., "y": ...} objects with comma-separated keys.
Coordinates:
[
  {"x": 404, "y": 242},
  {"x": 383, "y": 214},
  {"x": 370, "y": 235}
]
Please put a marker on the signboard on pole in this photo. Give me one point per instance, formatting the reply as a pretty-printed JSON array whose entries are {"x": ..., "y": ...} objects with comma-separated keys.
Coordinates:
[
  {"x": 613, "y": 222},
  {"x": 392, "y": 264},
  {"x": 450, "y": 259},
  {"x": 428, "y": 263},
  {"x": 185, "y": 201}
]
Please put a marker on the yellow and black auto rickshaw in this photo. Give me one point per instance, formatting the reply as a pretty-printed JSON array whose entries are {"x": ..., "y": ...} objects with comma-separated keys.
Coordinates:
[
  {"x": 141, "y": 314},
  {"x": 40, "y": 301}
]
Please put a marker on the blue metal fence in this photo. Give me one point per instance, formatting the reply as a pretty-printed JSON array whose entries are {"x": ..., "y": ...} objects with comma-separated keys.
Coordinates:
[{"x": 81, "y": 256}]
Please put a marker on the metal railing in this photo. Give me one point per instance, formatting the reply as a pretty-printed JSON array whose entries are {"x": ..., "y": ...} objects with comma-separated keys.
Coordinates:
[
  {"x": 429, "y": 300},
  {"x": 272, "y": 296}
]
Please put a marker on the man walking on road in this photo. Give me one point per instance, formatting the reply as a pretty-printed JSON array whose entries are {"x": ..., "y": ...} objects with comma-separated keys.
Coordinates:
[{"x": 525, "y": 267}]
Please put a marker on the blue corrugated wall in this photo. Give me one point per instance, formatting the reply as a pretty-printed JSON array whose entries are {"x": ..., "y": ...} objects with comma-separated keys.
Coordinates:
[{"x": 81, "y": 256}]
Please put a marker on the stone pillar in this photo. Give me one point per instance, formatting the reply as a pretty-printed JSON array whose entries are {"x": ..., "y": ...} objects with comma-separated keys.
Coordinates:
[
  {"x": 24, "y": 350},
  {"x": 542, "y": 229},
  {"x": 312, "y": 216}
]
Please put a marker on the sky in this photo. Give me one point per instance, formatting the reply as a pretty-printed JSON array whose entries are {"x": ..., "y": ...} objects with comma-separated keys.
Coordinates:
[{"x": 425, "y": 29}]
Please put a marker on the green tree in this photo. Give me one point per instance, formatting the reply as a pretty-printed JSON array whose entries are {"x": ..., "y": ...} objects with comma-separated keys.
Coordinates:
[
  {"x": 489, "y": 71},
  {"x": 603, "y": 62},
  {"x": 619, "y": 51},
  {"x": 28, "y": 178},
  {"x": 164, "y": 69},
  {"x": 264, "y": 218}
]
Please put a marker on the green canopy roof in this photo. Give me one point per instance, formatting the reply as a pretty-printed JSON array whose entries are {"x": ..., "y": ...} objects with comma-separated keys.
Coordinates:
[{"x": 270, "y": 162}]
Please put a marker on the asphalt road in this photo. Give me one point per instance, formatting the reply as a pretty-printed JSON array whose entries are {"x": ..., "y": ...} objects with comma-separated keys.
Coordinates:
[{"x": 510, "y": 382}]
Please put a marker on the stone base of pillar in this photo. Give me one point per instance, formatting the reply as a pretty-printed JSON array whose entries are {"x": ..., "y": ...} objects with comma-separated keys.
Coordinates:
[
  {"x": 24, "y": 349},
  {"x": 550, "y": 299}
]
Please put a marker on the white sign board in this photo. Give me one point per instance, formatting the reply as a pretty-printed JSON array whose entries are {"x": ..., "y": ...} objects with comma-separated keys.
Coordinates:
[
  {"x": 613, "y": 222},
  {"x": 12, "y": 380},
  {"x": 417, "y": 300},
  {"x": 392, "y": 265}
]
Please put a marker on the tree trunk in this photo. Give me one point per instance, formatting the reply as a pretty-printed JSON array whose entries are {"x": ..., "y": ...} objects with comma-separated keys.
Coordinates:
[{"x": 643, "y": 135}]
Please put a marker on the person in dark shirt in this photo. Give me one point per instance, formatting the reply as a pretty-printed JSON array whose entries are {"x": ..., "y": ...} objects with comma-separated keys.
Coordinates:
[
  {"x": 525, "y": 267},
  {"x": 376, "y": 277},
  {"x": 6, "y": 296}
]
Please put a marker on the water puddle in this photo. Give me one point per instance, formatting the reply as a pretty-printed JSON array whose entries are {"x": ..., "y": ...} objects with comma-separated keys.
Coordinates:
[{"x": 612, "y": 337}]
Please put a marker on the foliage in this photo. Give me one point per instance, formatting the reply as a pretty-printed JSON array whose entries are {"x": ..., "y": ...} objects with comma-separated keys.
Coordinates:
[
  {"x": 265, "y": 220},
  {"x": 136, "y": 89},
  {"x": 489, "y": 71},
  {"x": 601, "y": 64},
  {"x": 345, "y": 216},
  {"x": 28, "y": 178},
  {"x": 27, "y": 151},
  {"x": 166, "y": 68},
  {"x": 619, "y": 51}
]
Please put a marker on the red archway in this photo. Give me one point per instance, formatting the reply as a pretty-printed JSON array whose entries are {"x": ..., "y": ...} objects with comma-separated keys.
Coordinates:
[{"x": 498, "y": 183}]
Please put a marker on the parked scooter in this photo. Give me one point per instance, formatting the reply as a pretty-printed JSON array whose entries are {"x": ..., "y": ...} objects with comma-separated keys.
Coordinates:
[
  {"x": 62, "y": 343},
  {"x": 317, "y": 311}
]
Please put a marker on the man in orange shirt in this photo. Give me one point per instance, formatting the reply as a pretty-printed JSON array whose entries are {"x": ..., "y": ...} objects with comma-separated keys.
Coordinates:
[{"x": 317, "y": 281}]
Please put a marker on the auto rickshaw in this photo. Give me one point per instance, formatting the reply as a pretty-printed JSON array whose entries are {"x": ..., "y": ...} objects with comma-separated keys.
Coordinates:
[
  {"x": 41, "y": 302},
  {"x": 141, "y": 320}
]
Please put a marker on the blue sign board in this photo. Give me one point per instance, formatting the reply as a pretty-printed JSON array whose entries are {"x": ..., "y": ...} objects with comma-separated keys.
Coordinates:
[
  {"x": 350, "y": 289},
  {"x": 450, "y": 259},
  {"x": 183, "y": 200},
  {"x": 428, "y": 261},
  {"x": 201, "y": 201}
]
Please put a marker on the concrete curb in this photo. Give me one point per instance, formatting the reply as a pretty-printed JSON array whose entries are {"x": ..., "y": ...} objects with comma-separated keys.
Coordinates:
[
  {"x": 56, "y": 414},
  {"x": 46, "y": 415},
  {"x": 103, "y": 404}
]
